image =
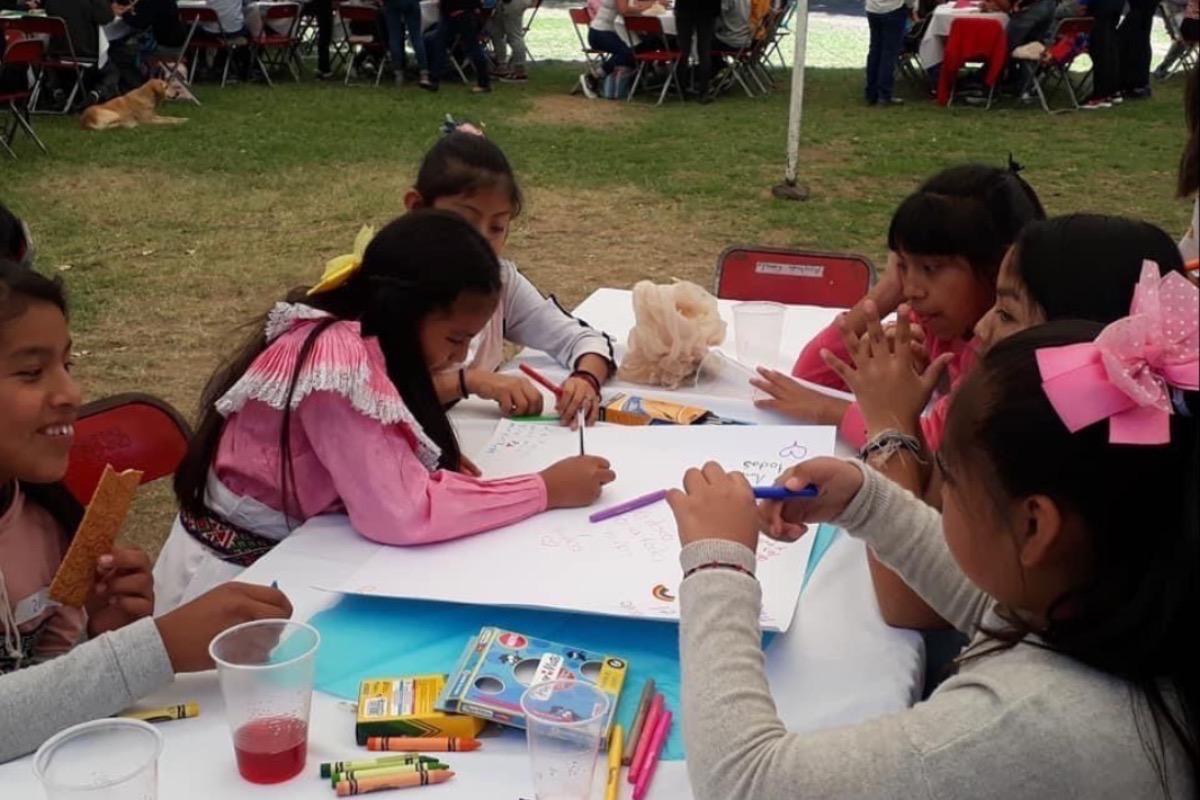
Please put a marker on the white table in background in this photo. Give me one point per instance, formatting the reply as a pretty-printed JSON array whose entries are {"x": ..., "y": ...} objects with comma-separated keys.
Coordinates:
[
  {"x": 839, "y": 664},
  {"x": 933, "y": 43}
]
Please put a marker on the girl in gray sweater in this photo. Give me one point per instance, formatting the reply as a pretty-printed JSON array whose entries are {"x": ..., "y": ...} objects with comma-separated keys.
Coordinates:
[{"x": 1068, "y": 557}]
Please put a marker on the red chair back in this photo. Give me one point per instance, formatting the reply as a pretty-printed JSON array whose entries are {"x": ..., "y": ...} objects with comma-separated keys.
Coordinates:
[
  {"x": 282, "y": 11},
  {"x": 354, "y": 12},
  {"x": 643, "y": 25},
  {"x": 194, "y": 14},
  {"x": 38, "y": 26},
  {"x": 129, "y": 431},
  {"x": 795, "y": 277},
  {"x": 23, "y": 52},
  {"x": 1073, "y": 26},
  {"x": 580, "y": 16},
  {"x": 972, "y": 39}
]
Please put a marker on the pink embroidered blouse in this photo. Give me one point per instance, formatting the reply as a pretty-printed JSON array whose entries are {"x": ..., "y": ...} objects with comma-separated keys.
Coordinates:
[{"x": 356, "y": 448}]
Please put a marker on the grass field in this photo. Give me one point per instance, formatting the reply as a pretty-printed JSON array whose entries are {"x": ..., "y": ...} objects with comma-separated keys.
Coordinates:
[{"x": 170, "y": 238}]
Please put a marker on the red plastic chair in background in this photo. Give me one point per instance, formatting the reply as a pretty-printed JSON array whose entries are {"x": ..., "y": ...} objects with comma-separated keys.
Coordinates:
[
  {"x": 581, "y": 18},
  {"x": 366, "y": 17},
  {"x": 651, "y": 29},
  {"x": 129, "y": 431},
  {"x": 201, "y": 39},
  {"x": 62, "y": 59},
  {"x": 973, "y": 41},
  {"x": 794, "y": 277},
  {"x": 21, "y": 53},
  {"x": 1052, "y": 68},
  {"x": 277, "y": 48}
]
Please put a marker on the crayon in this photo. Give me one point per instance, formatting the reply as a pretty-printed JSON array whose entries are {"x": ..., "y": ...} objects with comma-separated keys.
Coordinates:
[
  {"x": 329, "y": 767},
  {"x": 164, "y": 714},
  {"x": 386, "y": 769},
  {"x": 639, "y": 719},
  {"x": 643, "y": 745},
  {"x": 356, "y": 786},
  {"x": 613, "y": 787},
  {"x": 542, "y": 379},
  {"x": 412, "y": 744},
  {"x": 581, "y": 423},
  {"x": 656, "y": 748},
  {"x": 630, "y": 505}
]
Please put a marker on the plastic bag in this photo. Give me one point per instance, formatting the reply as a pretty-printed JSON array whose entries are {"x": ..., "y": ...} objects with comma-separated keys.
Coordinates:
[{"x": 675, "y": 327}]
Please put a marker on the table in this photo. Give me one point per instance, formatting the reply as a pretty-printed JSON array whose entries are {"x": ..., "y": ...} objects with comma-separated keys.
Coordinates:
[
  {"x": 839, "y": 664},
  {"x": 933, "y": 43}
]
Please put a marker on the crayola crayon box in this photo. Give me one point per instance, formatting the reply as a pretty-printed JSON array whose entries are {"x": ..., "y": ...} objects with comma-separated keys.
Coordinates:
[
  {"x": 497, "y": 666},
  {"x": 405, "y": 707}
]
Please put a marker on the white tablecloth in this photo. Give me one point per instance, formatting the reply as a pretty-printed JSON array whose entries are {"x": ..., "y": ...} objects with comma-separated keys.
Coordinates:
[
  {"x": 933, "y": 43},
  {"x": 839, "y": 664}
]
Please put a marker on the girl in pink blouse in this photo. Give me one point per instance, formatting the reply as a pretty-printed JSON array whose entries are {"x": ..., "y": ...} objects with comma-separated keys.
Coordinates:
[{"x": 331, "y": 408}]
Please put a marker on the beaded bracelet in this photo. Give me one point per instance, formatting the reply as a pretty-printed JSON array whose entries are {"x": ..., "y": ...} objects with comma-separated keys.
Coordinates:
[
  {"x": 589, "y": 377},
  {"x": 718, "y": 565}
]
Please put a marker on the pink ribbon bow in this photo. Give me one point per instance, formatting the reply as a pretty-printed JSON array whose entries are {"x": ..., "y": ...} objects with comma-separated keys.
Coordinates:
[{"x": 1126, "y": 374}]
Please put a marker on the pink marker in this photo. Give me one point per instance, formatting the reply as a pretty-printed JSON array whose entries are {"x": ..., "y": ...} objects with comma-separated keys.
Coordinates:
[
  {"x": 656, "y": 748},
  {"x": 643, "y": 745}
]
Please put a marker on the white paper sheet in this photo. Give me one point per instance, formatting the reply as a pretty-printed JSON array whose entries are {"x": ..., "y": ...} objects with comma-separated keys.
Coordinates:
[{"x": 626, "y": 566}]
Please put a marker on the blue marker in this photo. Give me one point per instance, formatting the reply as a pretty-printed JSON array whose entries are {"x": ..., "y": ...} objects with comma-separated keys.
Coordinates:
[{"x": 781, "y": 493}]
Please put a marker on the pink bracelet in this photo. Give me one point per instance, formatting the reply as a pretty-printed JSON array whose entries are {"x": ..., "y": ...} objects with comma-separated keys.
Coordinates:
[{"x": 718, "y": 565}]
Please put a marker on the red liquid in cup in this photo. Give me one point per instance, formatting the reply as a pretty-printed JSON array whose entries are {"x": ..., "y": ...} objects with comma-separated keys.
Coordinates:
[{"x": 271, "y": 750}]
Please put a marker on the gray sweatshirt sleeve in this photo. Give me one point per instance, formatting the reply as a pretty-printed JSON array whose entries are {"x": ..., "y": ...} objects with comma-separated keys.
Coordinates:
[
  {"x": 532, "y": 320},
  {"x": 737, "y": 746},
  {"x": 906, "y": 534},
  {"x": 96, "y": 679}
]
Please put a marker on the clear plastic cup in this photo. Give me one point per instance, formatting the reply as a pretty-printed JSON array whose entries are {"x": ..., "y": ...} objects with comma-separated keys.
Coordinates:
[
  {"x": 722, "y": 376},
  {"x": 564, "y": 721},
  {"x": 758, "y": 329},
  {"x": 266, "y": 673},
  {"x": 107, "y": 759}
]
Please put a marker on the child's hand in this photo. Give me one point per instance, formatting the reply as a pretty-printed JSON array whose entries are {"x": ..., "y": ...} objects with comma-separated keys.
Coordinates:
[
  {"x": 576, "y": 481},
  {"x": 123, "y": 591},
  {"x": 187, "y": 631},
  {"x": 715, "y": 504},
  {"x": 885, "y": 382},
  {"x": 837, "y": 483},
  {"x": 516, "y": 395},
  {"x": 577, "y": 393},
  {"x": 797, "y": 401}
]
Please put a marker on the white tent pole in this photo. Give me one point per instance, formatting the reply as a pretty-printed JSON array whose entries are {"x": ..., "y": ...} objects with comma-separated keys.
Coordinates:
[{"x": 789, "y": 189}]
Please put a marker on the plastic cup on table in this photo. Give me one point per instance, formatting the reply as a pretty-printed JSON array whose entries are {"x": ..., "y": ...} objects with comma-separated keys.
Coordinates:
[
  {"x": 107, "y": 759},
  {"x": 758, "y": 329},
  {"x": 564, "y": 722},
  {"x": 266, "y": 674}
]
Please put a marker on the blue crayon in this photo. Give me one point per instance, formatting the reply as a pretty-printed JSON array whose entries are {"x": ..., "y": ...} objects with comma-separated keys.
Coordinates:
[{"x": 781, "y": 493}]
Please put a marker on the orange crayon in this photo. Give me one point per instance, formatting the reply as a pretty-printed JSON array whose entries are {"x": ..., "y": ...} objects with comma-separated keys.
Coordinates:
[
  {"x": 352, "y": 786},
  {"x": 417, "y": 744}
]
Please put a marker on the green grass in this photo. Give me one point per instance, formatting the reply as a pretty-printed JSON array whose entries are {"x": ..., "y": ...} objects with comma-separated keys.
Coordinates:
[{"x": 169, "y": 237}]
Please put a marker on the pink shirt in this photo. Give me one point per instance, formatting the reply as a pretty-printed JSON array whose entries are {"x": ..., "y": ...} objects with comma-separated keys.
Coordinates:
[
  {"x": 31, "y": 546},
  {"x": 355, "y": 446},
  {"x": 853, "y": 427}
]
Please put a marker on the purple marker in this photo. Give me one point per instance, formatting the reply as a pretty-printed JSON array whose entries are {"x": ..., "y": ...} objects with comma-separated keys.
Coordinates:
[{"x": 630, "y": 505}]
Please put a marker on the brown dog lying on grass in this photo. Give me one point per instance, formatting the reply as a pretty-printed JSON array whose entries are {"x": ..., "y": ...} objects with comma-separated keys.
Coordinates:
[{"x": 139, "y": 107}]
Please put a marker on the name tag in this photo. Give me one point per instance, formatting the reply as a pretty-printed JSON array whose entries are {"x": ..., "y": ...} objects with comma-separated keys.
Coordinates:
[{"x": 796, "y": 270}]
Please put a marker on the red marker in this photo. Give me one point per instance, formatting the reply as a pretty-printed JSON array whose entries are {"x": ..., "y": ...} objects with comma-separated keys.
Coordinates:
[{"x": 542, "y": 379}]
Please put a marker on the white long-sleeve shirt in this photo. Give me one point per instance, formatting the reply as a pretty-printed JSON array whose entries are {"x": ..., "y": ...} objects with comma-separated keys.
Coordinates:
[{"x": 527, "y": 318}]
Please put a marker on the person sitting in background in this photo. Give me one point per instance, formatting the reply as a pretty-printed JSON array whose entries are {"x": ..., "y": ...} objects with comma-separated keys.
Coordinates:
[
  {"x": 231, "y": 19},
  {"x": 603, "y": 36},
  {"x": 1028, "y": 21},
  {"x": 733, "y": 31},
  {"x": 460, "y": 27},
  {"x": 83, "y": 20},
  {"x": 134, "y": 36}
]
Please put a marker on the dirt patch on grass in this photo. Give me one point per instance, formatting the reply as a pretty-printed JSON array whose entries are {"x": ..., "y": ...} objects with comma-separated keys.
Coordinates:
[{"x": 576, "y": 110}]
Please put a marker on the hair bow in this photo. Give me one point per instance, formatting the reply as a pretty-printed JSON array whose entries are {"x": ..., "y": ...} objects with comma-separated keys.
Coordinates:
[
  {"x": 338, "y": 270},
  {"x": 1126, "y": 375}
]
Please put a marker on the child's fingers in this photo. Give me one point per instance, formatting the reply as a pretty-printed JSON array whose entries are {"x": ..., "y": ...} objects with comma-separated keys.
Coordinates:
[
  {"x": 134, "y": 584},
  {"x": 693, "y": 481},
  {"x": 875, "y": 335},
  {"x": 903, "y": 332},
  {"x": 844, "y": 370},
  {"x": 933, "y": 373},
  {"x": 135, "y": 607}
]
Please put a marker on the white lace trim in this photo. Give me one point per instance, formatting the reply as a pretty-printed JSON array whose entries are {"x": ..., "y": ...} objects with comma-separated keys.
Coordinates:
[
  {"x": 283, "y": 316},
  {"x": 351, "y": 382}
]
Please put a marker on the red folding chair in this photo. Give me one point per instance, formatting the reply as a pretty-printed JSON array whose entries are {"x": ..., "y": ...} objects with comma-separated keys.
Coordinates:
[
  {"x": 581, "y": 19},
  {"x": 129, "y": 431},
  {"x": 54, "y": 29},
  {"x": 977, "y": 41},
  {"x": 795, "y": 277},
  {"x": 1052, "y": 67},
  {"x": 362, "y": 43},
  {"x": 169, "y": 61},
  {"x": 25, "y": 53},
  {"x": 651, "y": 29},
  {"x": 277, "y": 45},
  {"x": 205, "y": 41}
]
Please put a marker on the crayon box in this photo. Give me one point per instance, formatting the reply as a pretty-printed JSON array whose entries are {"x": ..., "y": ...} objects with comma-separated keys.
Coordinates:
[
  {"x": 405, "y": 707},
  {"x": 497, "y": 666}
]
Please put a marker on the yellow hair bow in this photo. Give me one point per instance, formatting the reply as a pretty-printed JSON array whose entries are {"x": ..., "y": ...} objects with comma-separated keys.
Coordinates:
[{"x": 338, "y": 270}]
